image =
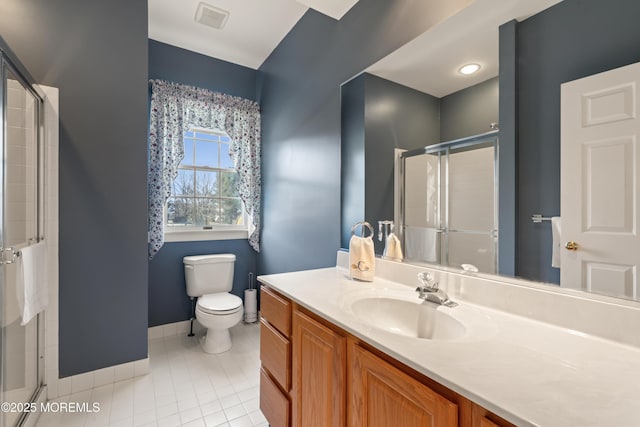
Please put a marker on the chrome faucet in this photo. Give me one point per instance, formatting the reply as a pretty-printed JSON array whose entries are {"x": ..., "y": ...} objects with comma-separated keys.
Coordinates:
[{"x": 428, "y": 291}]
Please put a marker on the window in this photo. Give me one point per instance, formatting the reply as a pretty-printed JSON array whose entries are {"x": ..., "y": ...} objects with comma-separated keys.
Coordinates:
[{"x": 204, "y": 195}]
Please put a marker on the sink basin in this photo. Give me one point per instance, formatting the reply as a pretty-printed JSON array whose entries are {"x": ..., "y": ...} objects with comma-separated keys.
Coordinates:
[{"x": 412, "y": 318}]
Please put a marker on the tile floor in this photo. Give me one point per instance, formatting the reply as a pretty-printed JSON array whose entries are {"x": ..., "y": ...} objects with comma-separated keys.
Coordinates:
[{"x": 186, "y": 387}]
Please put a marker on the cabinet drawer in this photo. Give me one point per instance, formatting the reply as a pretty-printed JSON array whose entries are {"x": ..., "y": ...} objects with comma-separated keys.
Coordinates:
[
  {"x": 276, "y": 310},
  {"x": 484, "y": 418},
  {"x": 486, "y": 422},
  {"x": 274, "y": 405},
  {"x": 275, "y": 354}
]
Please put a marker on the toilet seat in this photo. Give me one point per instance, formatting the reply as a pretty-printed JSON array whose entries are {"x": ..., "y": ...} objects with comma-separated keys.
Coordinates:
[{"x": 219, "y": 303}]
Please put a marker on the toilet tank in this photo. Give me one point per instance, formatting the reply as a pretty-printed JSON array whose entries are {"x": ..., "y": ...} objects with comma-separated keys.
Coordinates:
[{"x": 208, "y": 274}]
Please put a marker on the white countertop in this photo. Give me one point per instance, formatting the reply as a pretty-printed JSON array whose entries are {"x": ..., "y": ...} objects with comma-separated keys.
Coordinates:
[{"x": 529, "y": 372}]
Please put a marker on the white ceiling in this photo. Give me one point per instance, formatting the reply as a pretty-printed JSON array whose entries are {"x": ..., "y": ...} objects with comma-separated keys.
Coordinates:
[
  {"x": 333, "y": 8},
  {"x": 252, "y": 32},
  {"x": 430, "y": 62}
]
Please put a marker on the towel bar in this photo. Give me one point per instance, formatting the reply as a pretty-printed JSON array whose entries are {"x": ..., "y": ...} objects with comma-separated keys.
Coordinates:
[
  {"x": 538, "y": 218},
  {"x": 15, "y": 253},
  {"x": 363, "y": 224},
  {"x": 12, "y": 257}
]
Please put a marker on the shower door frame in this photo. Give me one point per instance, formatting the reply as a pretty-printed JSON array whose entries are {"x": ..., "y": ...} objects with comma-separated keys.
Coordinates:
[
  {"x": 443, "y": 150},
  {"x": 10, "y": 66}
]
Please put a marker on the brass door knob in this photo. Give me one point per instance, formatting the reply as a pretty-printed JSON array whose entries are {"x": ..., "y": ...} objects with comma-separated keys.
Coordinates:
[{"x": 571, "y": 246}]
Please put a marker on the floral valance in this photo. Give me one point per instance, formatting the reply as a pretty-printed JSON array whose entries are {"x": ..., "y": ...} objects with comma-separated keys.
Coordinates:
[{"x": 176, "y": 108}]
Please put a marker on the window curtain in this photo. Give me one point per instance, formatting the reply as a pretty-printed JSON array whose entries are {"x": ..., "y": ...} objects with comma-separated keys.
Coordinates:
[{"x": 176, "y": 108}]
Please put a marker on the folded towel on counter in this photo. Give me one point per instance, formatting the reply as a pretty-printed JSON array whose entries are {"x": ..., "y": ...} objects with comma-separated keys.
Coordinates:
[
  {"x": 556, "y": 241},
  {"x": 362, "y": 258},
  {"x": 31, "y": 281},
  {"x": 393, "y": 248}
]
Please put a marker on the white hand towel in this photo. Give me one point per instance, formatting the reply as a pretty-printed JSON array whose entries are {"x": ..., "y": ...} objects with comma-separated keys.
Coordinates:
[
  {"x": 393, "y": 249},
  {"x": 362, "y": 259},
  {"x": 556, "y": 241},
  {"x": 421, "y": 244},
  {"x": 31, "y": 281}
]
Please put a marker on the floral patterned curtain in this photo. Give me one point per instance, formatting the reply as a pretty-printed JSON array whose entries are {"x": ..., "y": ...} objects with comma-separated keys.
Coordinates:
[{"x": 175, "y": 108}]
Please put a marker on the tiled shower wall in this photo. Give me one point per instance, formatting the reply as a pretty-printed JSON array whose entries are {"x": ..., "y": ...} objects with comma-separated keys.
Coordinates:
[{"x": 21, "y": 173}]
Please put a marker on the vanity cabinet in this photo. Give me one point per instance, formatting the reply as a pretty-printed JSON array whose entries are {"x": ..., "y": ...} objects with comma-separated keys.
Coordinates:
[
  {"x": 316, "y": 374},
  {"x": 382, "y": 395},
  {"x": 275, "y": 358}
]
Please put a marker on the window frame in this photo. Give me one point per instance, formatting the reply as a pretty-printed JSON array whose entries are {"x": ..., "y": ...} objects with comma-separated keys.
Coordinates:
[{"x": 174, "y": 233}]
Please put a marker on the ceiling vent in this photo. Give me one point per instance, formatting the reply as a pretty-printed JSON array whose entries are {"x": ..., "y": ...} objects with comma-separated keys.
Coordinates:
[{"x": 211, "y": 16}]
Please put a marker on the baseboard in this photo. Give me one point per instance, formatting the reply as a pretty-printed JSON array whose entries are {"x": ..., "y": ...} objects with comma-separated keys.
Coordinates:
[
  {"x": 58, "y": 387},
  {"x": 173, "y": 329}
]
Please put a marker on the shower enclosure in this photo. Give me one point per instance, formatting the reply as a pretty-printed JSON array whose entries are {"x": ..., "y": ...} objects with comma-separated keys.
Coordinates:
[
  {"x": 448, "y": 203},
  {"x": 21, "y": 225}
]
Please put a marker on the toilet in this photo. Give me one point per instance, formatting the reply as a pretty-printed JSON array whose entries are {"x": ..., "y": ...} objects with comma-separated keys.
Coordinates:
[{"x": 210, "y": 278}]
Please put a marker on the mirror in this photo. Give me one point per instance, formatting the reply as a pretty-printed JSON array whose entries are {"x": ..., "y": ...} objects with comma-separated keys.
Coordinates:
[{"x": 415, "y": 98}]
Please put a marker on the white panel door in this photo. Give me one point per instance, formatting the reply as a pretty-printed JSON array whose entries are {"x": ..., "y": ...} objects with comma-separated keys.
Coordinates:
[{"x": 600, "y": 183}]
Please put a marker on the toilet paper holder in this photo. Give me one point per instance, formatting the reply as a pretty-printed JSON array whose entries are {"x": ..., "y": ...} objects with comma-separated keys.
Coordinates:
[{"x": 250, "y": 302}]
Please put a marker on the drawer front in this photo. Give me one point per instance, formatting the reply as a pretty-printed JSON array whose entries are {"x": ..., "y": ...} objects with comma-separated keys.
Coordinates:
[
  {"x": 486, "y": 422},
  {"x": 484, "y": 418},
  {"x": 276, "y": 310},
  {"x": 275, "y": 354},
  {"x": 274, "y": 405}
]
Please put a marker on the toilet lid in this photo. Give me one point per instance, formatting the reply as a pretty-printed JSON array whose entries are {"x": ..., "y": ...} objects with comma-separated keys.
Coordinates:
[{"x": 222, "y": 302}]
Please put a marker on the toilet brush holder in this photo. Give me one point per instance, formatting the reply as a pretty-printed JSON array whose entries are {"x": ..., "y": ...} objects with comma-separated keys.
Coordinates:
[{"x": 250, "y": 305}]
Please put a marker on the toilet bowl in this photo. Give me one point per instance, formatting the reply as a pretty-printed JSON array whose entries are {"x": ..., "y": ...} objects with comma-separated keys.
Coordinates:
[
  {"x": 218, "y": 312},
  {"x": 210, "y": 278}
]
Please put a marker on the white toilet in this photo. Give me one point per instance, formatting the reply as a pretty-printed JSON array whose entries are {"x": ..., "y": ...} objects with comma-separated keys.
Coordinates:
[{"x": 210, "y": 278}]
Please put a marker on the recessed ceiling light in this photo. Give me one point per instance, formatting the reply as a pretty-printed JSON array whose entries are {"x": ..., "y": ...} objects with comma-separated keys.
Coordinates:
[
  {"x": 211, "y": 16},
  {"x": 469, "y": 68}
]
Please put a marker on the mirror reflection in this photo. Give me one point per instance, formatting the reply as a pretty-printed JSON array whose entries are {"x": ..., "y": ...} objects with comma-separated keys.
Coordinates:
[
  {"x": 447, "y": 212},
  {"x": 471, "y": 207}
]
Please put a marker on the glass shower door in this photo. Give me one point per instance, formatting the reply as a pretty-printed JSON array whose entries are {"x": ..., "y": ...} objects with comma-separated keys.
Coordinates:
[
  {"x": 21, "y": 373},
  {"x": 422, "y": 220},
  {"x": 448, "y": 203},
  {"x": 471, "y": 204}
]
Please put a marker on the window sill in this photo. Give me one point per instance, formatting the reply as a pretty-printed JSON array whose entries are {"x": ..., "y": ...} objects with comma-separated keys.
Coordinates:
[{"x": 203, "y": 235}]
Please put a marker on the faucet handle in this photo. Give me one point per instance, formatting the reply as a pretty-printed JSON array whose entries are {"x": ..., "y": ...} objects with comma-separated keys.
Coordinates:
[{"x": 428, "y": 281}]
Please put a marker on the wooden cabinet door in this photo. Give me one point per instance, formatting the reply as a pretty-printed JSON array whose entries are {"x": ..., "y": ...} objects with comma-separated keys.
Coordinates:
[
  {"x": 319, "y": 372},
  {"x": 381, "y": 395}
]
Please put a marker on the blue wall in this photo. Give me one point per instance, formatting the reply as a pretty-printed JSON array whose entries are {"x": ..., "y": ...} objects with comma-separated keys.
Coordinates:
[
  {"x": 178, "y": 65},
  {"x": 571, "y": 40},
  {"x": 96, "y": 53},
  {"x": 469, "y": 111},
  {"x": 301, "y": 125},
  {"x": 168, "y": 301},
  {"x": 352, "y": 156},
  {"x": 508, "y": 148},
  {"x": 378, "y": 116},
  {"x": 396, "y": 116}
]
